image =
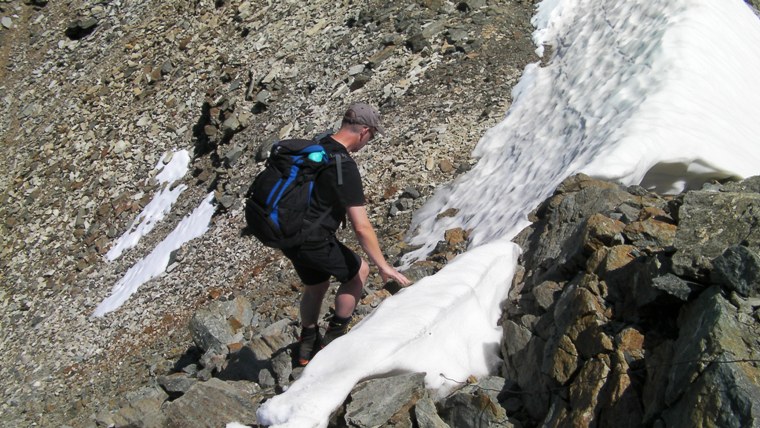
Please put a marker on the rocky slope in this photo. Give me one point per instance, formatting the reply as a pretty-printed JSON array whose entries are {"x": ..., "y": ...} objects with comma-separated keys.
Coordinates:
[
  {"x": 630, "y": 309},
  {"x": 94, "y": 93},
  {"x": 661, "y": 291}
]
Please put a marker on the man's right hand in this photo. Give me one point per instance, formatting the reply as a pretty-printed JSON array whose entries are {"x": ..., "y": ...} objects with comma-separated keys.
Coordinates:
[{"x": 389, "y": 273}]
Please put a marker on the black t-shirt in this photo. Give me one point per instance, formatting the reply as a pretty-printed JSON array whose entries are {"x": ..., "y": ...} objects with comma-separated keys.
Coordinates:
[{"x": 329, "y": 195}]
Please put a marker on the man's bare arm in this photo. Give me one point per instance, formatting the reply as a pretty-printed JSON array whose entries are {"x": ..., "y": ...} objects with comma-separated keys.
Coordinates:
[{"x": 367, "y": 238}]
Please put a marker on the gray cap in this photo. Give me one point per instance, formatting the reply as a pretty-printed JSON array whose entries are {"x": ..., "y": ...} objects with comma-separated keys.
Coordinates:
[{"x": 364, "y": 114}]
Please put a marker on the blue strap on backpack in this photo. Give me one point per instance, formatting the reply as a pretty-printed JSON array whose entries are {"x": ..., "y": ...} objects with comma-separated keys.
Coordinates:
[{"x": 279, "y": 199}]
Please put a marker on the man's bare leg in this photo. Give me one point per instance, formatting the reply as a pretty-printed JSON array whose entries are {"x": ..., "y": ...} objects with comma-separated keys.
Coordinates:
[
  {"x": 350, "y": 292},
  {"x": 311, "y": 303}
]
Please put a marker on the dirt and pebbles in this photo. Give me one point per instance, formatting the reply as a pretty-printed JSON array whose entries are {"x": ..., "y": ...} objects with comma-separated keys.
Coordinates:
[{"x": 94, "y": 93}]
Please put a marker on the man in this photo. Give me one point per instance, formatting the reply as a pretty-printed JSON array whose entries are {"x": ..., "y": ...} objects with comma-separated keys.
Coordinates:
[{"x": 322, "y": 256}]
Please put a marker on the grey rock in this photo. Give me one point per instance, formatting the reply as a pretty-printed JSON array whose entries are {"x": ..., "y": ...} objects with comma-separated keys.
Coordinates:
[
  {"x": 81, "y": 28},
  {"x": 167, "y": 67},
  {"x": 576, "y": 199},
  {"x": 282, "y": 366},
  {"x": 215, "y": 403},
  {"x": 356, "y": 69},
  {"x": 417, "y": 42},
  {"x": 738, "y": 269},
  {"x": 489, "y": 385},
  {"x": 426, "y": 415},
  {"x": 243, "y": 365},
  {"x": 432, "y": 29},
  {"x": 375, "y": 402},
  {"x": 220, "y": 324},
  {"x": 205, "y": 374},
  {"x": 672, "y": 285},
  {"x": 263, "y": 347},
  {"x": 457, "y": 35},
  {"x": 227, "y": 201},
  {"x": 403, "y": 204},
  {"x": 749, "y": 185},
  {"x": 262, "y": 152},
  {"x": 411, "y": 193},
  {"x": 231, "y": 125},
  {"x": 467, "y": 410},
  {"x": 263, "y": 97},
  {"x": 360, "y": 80},
  {"x": 516, "y": 337},
  {"x": 214, "y": 358},
  {"x": 143, "y": 410},
  {"x": 266, "y": 379},
  {"x": 176, "y": 383},
  {"x": 702, "y": 235},
  {"x": 653, "y": 294},
  {"x": 546, "y": 293},
  {"x": 709, "y": 378},
  {"x": 629, "y": 213}
]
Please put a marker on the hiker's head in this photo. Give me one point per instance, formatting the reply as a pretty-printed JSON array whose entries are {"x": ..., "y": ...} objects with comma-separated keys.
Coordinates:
[
  {"x": 362, "y": 120},
  {"x": 360, "y": 124}
]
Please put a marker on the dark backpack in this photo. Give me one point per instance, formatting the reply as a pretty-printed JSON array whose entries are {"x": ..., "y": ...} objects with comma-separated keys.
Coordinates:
[{"x": 278, "y": 201}]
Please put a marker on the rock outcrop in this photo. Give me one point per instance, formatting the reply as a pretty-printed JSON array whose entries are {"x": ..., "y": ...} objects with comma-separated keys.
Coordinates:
[{"x": 633, "y": 309}]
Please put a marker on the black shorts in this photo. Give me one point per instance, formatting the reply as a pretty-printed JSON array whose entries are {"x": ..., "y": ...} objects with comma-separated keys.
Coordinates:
[{"x": 316, "y": 262}]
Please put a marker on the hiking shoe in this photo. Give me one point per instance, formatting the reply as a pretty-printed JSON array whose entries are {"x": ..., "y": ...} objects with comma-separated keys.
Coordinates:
[
  {"x": 308, "y": 344},
  {"x": 335, "y": 330}
]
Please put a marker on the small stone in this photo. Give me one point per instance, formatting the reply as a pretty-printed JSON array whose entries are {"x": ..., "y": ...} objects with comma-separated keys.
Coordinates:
[
  {"x": 455, "y": 236},
  {"x": 167, "y": 67},
  {"x": 411, "y": 193},
  {"x": 360, "y": 80},
  {"x": 381, "y": 56},
  {"x": 417, "y": 43},
  {"x": 231, "y": 125},
  {"x": 429, "y": 164},
  {"x": 403, "y": 204},
  {"x": 446, "y": 166},
  {"x": 81, "y": 28},
  {"x": 263, "y": 97},
  {"x": 356, "y": 69},
  {"x": 120, "y": 147}
]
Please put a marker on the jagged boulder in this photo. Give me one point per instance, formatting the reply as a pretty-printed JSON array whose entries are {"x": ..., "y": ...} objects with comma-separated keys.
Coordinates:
[
  {"x": 476, "y": 405},
  {"x": 221, "y": 324},
  {"x": 738, "y": 269},
  {"x": 713, "y": 374},
  {"x": 385, "y": 401},
  {"x": 634, "y": 309},
  {"x": 215, "y": 403},
  {"x": 711, "y": 221},
  {"x": 141, "y": 410}
]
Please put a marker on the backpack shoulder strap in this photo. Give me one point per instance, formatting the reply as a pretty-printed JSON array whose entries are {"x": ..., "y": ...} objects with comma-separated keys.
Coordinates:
[{"x": 339, "y": 165}]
